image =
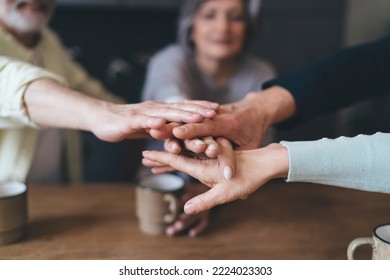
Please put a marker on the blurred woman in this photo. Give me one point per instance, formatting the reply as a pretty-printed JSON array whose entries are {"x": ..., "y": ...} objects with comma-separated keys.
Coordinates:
[{"x": 209, "y": 62}]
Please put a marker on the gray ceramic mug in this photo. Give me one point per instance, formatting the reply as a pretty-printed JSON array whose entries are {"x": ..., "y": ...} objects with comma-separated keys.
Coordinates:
[
  {"x": 157, "y": 202},
  {"x": 380, "y": 243},
  {"x": 13, "y": 211}
]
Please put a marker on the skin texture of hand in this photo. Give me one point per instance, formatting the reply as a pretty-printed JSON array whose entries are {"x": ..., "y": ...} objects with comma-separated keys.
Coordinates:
[
  {"x": 253, "y": 169},
  {"x": 134, "y": 120},
  {"x": 193, "y": 224},
  {"x": 244, "y": 122},
  {"x": 221, "y": 149},
  {"x": 50, "y": 104}
]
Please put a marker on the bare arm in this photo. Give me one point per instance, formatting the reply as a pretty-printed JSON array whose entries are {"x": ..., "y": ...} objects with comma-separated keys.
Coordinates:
[{"x": 53, "y": 105}]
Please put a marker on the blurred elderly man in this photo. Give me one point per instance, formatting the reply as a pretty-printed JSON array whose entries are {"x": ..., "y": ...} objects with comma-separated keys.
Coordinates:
[
  {"x": 24, "y": 36},
  {"x": 51, "y": 155}
]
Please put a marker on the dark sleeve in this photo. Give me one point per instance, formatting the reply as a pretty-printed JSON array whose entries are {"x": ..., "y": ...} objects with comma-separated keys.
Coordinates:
[{"x": 341, "y": 79}]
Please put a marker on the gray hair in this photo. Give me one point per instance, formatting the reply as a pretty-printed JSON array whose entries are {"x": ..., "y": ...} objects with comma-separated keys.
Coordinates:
[{"x": 189, "y": 9}]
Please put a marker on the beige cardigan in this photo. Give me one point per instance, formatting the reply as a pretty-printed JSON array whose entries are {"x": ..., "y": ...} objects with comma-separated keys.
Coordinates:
[{"x": 18, "y": 134}]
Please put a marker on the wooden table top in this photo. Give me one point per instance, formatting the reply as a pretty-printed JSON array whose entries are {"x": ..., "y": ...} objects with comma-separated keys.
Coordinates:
[{"x": 279, "y": 221}]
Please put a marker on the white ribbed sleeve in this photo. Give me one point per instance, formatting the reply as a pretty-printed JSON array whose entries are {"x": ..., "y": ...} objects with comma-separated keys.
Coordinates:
[{"x": 361, "y": 162}]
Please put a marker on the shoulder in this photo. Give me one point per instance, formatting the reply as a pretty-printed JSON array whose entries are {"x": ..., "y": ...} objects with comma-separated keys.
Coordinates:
[
  {"x": 51, "y": 41},
  {"x": 51, "y": 37},
  {"x": 258, "y": 66},
  {"x": 169, "y": 55}
]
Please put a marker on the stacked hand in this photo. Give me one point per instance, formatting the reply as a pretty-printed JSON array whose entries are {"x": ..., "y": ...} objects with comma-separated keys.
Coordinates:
[
  {"x": 253, "y": 169},
  {"x": 50, "y": 104}
]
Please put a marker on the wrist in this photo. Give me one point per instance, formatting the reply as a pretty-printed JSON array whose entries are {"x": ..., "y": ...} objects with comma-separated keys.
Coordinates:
[
  {"x": 276, "y": 104},
  {"x": 279, "y": 160},
  {"x": 264, "y": 164},
  {"x": 274, "y": 161},
  {"x": 98, "y": 113}
]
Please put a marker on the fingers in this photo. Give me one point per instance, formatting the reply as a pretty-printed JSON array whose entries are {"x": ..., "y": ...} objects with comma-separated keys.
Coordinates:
[
  {"x": 172, "y": 146},
  {"x": 202, "y": 108},
  {"x": 195, "y": 145},
  {"x": 162, "y": 170},
  {"x": 204, "y": 201},
  {"x": 226, "y": 158},
  {"x": 164, "y": 132},
  {"x": 195, "y": 130},
  {"x": 207, "y": 146},
  {"x": 182, "y": 223},
  {"x": 207, "y": 104},
  {"x": 172, "y": 114},
  {"x": 149, "y": 163},
  {"x": 196, "y": 224},
  {"x": 157, "y": 167},
  {"x": 213, "y": 148},
  {"x": 190, "y": 166},
  {"x": 199, "y": 228},
  {"x": 147, "y": 122}
]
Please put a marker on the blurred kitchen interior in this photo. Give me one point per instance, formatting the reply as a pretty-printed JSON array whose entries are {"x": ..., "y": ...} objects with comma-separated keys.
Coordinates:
[{"x": 114, "y": 39}]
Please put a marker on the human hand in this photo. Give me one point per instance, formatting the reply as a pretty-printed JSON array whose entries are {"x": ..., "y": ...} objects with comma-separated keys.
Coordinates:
[
  {"x": 244, "y": 122},
  {"x": 50, "y": 104},
  {"x": 193, "y": 224},
  {"x": 205, "y": 148},
  {"x": 135, "y": 120},
  {"x": 253, "y": 169}
]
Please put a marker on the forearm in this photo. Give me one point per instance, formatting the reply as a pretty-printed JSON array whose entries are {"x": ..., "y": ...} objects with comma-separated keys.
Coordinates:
[
  {"x": 271, "y": 106},
  {"x": 341, "y": 79},
  {"x": 53, "y": 105},
  {"x": 15, "y": 76},
  {"x": 361, "y": 162},
  {"x": 50, "y": 104}
]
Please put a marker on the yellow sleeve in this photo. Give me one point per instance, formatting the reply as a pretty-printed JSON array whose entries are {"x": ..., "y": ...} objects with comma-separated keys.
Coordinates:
[{"x": 15, "y": 76}]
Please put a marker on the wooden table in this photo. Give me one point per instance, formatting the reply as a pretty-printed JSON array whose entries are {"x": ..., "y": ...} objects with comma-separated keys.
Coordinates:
[{"x": 279, "y": 221}]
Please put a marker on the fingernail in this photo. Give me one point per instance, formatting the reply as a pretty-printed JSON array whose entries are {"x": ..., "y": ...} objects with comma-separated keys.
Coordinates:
[
  {"x": 227, "y": 172},
  {"x": 178, "y": 226},
  {"x": 196, "y": 116},
  {"x": 212, "y": 148},
  {"x": 189, "y": 208},
  {"x": 175, "y": 146},
  {"x": 210, "y": 112},
  {"x": 144, "y": 153},
  {"x": 192, "y": 233},
  {"x": 170, "y": 231},
  {"x": 214, "y": 105},
  {"x": 181, "y": 129},
  {"x": 199, "y": 143}
]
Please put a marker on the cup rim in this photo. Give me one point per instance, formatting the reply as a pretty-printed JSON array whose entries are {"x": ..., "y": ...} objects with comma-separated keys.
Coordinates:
[
  {"x": 377, "y": 236},
  {"x": 21, "y": 191},
  {"x": 143, "y": 186}
]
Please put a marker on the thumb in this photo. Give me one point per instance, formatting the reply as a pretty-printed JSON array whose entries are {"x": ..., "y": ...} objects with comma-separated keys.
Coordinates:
[
  {"x": 204, "y": 201},
  {"x": 226, "y": 158}
]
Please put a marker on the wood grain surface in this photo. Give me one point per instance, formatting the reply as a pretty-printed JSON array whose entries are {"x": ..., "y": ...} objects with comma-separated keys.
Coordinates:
[{"x": 279, "y": 221}]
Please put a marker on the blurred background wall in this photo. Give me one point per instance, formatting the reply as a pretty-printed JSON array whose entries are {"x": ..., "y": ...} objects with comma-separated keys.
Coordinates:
[
  {"x": 365, "y": 21},
  {"x": 114, "y": 40}
]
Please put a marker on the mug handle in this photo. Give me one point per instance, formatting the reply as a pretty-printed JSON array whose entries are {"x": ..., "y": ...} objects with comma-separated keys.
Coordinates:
[
  {"x": 173, "y": 208},
  {"x": 356, "y": 243}
]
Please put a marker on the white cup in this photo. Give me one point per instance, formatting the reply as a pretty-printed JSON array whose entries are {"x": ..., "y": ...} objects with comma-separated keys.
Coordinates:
[{"x": 380, "y": 242}]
